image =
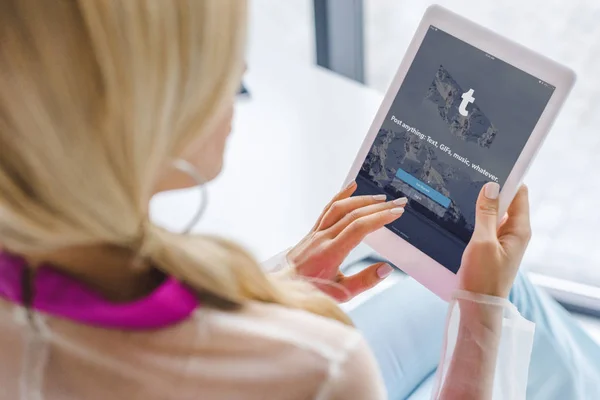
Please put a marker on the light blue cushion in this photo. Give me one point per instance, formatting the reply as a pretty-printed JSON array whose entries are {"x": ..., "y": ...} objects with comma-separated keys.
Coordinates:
[{"x": 404, "y": 325}]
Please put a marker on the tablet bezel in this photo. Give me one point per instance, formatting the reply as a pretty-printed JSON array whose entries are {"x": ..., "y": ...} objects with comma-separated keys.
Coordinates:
[{"x": 391, "y": 246}]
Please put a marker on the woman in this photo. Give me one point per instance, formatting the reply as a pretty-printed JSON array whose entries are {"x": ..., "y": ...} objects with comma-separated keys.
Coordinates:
[{"x": 105, "y": 103}]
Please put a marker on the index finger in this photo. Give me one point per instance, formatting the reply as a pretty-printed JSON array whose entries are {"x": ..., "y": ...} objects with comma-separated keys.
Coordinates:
[
  {"x": 350, "y": 208},
  {"x": 343, "y": 194},
  {"x": 353, "y": 234}
]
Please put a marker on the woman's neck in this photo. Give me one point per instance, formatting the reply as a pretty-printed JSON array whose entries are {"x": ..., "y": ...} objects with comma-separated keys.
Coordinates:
[{"x": 109, "y": 270}]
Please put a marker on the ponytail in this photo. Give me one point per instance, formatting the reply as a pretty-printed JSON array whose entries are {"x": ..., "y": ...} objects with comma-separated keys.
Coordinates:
[{"x": 225, "y": 276}]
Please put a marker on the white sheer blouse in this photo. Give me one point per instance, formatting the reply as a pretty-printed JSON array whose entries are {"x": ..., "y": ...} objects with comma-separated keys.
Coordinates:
[{"x": 262, "y": 352}]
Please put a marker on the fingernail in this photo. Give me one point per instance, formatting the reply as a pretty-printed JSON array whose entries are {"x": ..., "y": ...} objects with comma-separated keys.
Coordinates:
[
  {"x": 350, "y": 185},
  {"x": 401, "y": 201},
  {"x": 384, "y": 271},
  {"x": 397, "y": 210},
  {"x": 491, "y": 190},
  {"x": 379, "y": 197}
]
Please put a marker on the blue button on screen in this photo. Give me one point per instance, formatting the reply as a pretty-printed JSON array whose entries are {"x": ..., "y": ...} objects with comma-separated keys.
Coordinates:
[{"x": 423, "y": 188}]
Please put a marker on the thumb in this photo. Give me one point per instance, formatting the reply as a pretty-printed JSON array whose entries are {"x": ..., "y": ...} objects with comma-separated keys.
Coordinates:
[
  {"x": 366, "y": 279},
  {"x": 486, "y": 214}
]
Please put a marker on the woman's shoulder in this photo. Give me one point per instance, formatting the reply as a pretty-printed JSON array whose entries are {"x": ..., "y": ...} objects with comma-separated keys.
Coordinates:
[
  {"x": 318, "y": 354},
  {"x": 294, "y": 350},
  {"x": 279, "y": 327}
]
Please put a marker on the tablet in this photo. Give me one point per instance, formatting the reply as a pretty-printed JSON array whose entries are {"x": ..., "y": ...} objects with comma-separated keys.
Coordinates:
[{"x": 466, "y": 107}]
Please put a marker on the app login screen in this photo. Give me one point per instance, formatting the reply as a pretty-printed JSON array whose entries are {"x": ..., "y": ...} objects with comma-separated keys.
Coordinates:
[{"x": 460, "y": 119}]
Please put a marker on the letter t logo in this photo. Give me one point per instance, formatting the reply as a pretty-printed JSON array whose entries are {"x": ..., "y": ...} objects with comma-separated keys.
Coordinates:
[{"x": 467, "y": 98}]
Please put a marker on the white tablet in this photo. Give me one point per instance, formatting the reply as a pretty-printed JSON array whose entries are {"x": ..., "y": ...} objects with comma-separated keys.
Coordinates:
[{"x": 466, "y": 107}]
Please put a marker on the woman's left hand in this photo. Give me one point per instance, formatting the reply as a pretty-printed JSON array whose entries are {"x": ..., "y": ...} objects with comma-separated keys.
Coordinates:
[{"x": 344, "y": 223}]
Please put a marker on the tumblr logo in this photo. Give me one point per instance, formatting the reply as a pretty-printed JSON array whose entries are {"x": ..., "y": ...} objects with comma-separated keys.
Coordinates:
[
  {"x": 463, "y": 117},
  {"x": 467, "y": 98}
]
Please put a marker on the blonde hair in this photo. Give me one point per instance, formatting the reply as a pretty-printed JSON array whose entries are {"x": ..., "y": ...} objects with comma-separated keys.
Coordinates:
[{"x": 95, "y": 98}]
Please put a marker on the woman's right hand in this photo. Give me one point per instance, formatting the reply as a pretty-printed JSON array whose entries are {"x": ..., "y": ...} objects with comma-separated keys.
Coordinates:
[
  {"x": 344, "y": 223},
  {"x": 492, "y": 258}
]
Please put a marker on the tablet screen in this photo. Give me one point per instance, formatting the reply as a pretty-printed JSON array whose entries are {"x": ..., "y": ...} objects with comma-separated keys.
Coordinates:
[{"x": 460, "y": 119}]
